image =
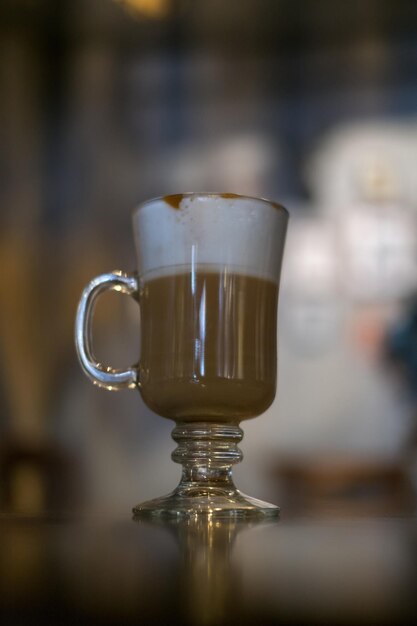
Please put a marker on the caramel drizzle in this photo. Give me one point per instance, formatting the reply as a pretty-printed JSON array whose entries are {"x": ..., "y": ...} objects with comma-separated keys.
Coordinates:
[
  {"x": 229, "y": 195},
  {"x": 175, "y": 200}
]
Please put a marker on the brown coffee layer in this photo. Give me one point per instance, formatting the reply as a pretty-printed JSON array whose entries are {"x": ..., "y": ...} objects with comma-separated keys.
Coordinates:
[{"x": 208, "y": 348}]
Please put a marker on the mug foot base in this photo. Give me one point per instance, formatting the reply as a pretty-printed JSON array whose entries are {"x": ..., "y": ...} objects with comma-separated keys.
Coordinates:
[{"x": 208, "y": 501}]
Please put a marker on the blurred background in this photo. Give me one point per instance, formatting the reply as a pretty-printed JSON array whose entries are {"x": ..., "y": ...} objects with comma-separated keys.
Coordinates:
[{"x": 106, "y": 103}]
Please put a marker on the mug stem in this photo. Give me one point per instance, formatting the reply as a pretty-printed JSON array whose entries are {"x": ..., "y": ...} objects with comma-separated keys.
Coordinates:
[{"x": 207, "y": 452}]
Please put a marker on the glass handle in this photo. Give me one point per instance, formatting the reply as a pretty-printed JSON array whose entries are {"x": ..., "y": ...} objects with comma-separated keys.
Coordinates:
[{"x": 101, "y": 375}]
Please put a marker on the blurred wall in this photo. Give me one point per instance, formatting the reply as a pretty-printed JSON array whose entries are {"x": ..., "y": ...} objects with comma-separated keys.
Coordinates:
[{"x": 106, "y": 103}]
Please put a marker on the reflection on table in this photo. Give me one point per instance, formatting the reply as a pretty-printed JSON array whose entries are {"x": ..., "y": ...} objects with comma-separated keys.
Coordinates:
[{"x": 341, "y": 570}]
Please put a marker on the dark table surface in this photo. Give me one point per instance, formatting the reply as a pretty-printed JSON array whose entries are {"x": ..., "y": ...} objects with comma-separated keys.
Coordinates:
[{"x": 323, "y": 569}]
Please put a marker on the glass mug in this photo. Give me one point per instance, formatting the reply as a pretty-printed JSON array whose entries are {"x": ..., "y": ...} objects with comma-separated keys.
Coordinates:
[{"x": 207, "y": 280}]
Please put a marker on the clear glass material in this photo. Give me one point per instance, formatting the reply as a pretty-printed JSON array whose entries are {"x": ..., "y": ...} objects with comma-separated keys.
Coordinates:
[{"x": 207, "y": 284}]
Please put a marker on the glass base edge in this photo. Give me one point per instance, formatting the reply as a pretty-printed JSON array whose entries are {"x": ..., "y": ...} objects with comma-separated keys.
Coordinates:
[{"x": 210, "y": 503}]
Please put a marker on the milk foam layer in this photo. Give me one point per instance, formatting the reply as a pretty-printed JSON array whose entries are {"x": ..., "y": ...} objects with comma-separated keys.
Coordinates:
[{"x": 244, "y": 234}]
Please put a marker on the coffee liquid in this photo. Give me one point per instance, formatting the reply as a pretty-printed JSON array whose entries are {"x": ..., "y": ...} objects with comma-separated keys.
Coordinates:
[{"x": 208, "y": 344}]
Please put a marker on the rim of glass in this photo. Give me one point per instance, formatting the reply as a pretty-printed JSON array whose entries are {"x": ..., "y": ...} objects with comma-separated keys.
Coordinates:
[{"x": 206, "y": 194}]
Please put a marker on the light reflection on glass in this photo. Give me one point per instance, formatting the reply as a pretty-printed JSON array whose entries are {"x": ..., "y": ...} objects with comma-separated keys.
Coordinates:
[
  {"x": 193, "y": 267},
  {"x": 221, "y": 338},
  {"x": 240, "y": 328},
  {"x": 202, "y": 324}
]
